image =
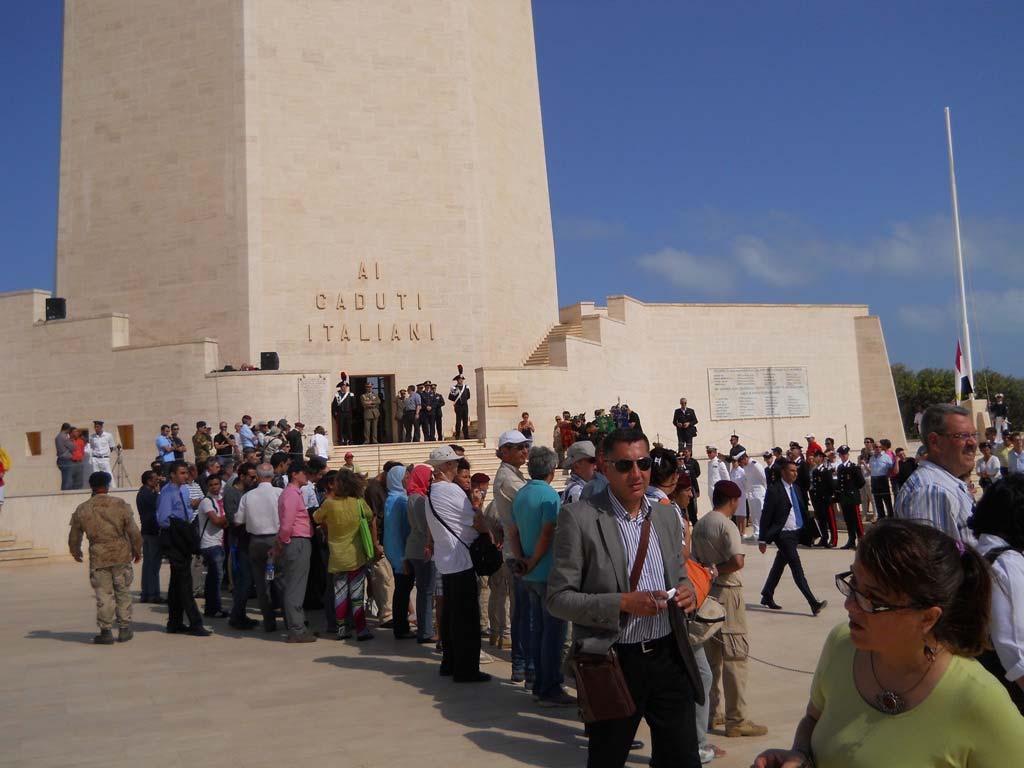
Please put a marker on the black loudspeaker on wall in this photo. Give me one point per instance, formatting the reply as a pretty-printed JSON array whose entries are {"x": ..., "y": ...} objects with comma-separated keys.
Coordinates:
[
  {"x": 56, "y": 309},
  {"x": 269, "y": 361}
]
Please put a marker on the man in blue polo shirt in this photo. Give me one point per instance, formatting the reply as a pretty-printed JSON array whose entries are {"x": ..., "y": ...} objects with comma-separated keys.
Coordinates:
[
  {"x": 165, "y": 446},
  {"x": 535, "y": 511}
]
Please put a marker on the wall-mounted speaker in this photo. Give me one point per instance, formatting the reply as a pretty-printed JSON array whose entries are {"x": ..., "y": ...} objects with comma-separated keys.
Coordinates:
[
  {"x": 56, "y": 309},
  {"x": 269, "y": 361}
]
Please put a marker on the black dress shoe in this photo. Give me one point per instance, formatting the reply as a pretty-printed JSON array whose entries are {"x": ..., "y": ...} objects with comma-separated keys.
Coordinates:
[
  {"x": 770, "y": 604},
  {"x": 174, "y": 629},
  {"x": 818, "y": 607},
  {"x": 636, "y": 744},
  {"x": 405, "y": 636},
  {"x": 851, "y": 545},
  {"x": 244, "y": 625}
]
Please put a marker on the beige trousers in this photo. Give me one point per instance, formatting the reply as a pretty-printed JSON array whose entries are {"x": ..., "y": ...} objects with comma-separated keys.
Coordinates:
[
  {"x": 727, "y": 655},
  {"x": 112, "y": 596},
  {"x": 499, "y": 604},
  {"x": 382, "y": 588}
]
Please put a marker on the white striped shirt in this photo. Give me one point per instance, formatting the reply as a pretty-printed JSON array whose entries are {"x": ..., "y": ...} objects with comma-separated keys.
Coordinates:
[
  {"x": 934, "y": 495},
  {"x": 652, "y": 576}
]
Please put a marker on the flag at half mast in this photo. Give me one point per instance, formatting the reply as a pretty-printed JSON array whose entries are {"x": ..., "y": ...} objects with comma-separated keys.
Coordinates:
[{"x": 964, "y": 387}]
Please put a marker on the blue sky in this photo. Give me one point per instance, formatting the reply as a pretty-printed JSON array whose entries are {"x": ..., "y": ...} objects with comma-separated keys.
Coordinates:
[{"x": 764, "y": 152}]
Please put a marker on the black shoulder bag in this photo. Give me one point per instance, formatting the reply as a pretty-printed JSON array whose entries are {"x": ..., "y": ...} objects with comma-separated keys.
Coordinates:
[{"x": 485, "y": 555}]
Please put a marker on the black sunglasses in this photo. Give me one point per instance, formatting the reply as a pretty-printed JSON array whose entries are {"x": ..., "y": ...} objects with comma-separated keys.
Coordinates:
[
  {"x": 623, "y": 466},
  {"x": 864, "y": 602}
]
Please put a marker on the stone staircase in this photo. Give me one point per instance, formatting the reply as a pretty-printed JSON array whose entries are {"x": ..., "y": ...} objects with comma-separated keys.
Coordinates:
[
  {"x": 12, "y": 550},
  {"x": 370, "y": 458},
  {"x": 542, "y": 354}
]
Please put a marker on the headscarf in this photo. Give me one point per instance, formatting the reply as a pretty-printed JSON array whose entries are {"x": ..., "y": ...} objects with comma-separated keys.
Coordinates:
[
  {"x": 419, "y": 480},
  {"x": 396, "y": 517}
]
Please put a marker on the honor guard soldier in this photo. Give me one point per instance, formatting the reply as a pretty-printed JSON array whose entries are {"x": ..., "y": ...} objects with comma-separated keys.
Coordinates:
[
  {"x": 438, "y": 401},
  {"x": 459, "y": 395},
  {"x": 822, "y": 493},
  {"x": 370, "y": 401},
  {"x": 341, "y": 409},
  {"x": 849, "y": 481},
  {"x": 101, "y": 445}
]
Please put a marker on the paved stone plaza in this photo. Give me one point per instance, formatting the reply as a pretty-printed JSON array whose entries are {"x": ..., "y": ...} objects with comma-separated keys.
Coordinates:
[{"x": 174, "y": 700}]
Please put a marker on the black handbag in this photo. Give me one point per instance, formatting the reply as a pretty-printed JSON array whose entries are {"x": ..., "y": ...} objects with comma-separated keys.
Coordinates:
[{"x": 485, "y": 555}]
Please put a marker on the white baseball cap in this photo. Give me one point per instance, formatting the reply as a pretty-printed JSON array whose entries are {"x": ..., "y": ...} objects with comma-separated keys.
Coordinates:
[
  {"x": 581, "y": 449},
  {"x": 442, "y": 455},
  {"x": 513, "y": 437}
]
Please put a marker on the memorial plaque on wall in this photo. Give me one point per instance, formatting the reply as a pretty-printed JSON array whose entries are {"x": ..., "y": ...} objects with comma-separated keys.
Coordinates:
[
  {"x": 315, "y": 403},
  {"x": 758, "y": 393}
]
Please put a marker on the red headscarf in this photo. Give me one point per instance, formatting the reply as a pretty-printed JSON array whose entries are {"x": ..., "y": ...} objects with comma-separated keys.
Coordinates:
[{"x": 419, "y": 480}]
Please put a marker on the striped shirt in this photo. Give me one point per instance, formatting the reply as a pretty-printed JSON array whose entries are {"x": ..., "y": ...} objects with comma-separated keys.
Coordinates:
[
  {"x": 652, "y": 577},
  {"x": 934, "y": 495}
]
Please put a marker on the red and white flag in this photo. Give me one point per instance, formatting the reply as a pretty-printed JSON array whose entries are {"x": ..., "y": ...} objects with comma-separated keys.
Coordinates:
[{"x": 964, "y": 388}]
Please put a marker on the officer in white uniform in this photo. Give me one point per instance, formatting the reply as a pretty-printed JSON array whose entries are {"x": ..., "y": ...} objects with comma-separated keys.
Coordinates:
[
  {"x": 756, "y": 485},
  {"x": 717, "y": 469},
  {"x": 101, "y": 445}
]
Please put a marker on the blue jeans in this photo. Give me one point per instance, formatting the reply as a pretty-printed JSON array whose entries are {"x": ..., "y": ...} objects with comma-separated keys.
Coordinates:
[
  {"x": 214, "y": 559},
  {"x": 547, "y": 634},
  {"x": 151, "y": 559},
  {"x": 706, "y": 680},
  {"x": 521, "y": 659},
  {"x": 67, "y": 475},
  {"x": 423, "y": 571}
]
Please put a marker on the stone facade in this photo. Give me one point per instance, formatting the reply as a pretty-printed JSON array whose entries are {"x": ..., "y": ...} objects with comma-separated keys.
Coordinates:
[{"x": 358, "y": 186}]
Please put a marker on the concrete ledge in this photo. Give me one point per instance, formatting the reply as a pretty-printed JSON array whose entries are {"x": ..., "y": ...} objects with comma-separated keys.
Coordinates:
[{"x": 45, "y": 518}]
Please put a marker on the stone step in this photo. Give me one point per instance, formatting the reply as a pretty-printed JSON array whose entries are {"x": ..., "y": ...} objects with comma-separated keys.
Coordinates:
[
  {"x": 13, "y": 556},
  {"x": 14, "y": 545}
]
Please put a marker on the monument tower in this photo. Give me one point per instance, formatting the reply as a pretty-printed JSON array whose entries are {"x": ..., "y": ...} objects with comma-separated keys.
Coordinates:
[{"x": 348, "y": 183}]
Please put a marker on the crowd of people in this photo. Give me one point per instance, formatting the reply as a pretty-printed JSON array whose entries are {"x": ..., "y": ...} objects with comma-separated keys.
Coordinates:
[{"x": 650, "y": 593}]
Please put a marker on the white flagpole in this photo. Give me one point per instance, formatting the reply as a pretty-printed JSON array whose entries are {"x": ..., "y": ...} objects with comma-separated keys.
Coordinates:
[{"x": 958, "y": 246}]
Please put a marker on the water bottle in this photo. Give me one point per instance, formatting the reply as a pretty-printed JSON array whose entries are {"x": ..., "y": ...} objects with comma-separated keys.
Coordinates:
[{"x": 270, "y": 568}]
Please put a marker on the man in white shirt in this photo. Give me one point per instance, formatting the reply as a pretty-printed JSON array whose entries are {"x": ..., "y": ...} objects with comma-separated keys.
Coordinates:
[
  {"x": 987, "y": 467},
  {"x": 1015, "y": 457},
  {"x": 101, "y": 445},
  {"x": 212, "y": 522},
  {"x": 257, "y": 511},
  {"x": 453, "y": 527},
  {"x": 320, "y": 444}
]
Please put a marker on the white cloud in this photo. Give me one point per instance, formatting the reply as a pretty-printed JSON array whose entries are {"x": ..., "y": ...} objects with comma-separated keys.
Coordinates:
[
  {"x": 760, "y": 261},
  {"x": 928, "y": 319},
  {"x": 689, "y": 272}
]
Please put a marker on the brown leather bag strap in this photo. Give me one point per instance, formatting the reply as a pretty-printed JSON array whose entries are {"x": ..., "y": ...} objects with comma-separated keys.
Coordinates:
[{"x": 641, "y": 554}]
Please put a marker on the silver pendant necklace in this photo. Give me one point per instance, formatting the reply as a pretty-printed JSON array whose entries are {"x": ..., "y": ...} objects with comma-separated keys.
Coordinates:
[{"x": 892, "y": 702}]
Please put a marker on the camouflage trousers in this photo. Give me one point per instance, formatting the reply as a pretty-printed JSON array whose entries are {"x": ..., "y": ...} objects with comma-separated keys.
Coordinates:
[{"x": 112, "y": 595}]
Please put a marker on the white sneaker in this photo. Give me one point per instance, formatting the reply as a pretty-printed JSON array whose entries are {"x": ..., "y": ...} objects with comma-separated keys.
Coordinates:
[
  {"x": 486, "y": 658},
  {"x": 707, "y": 754}
]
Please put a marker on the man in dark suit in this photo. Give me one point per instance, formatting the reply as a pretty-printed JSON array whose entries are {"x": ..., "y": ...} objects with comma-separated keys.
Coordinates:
[
  {"x": 602, "y": 544},
  {"x": 822, "y": 493},
  {"x": 784, "y": 519},
  {"x": 685, "y": 421},
  {"x": 692, "y": 468}
]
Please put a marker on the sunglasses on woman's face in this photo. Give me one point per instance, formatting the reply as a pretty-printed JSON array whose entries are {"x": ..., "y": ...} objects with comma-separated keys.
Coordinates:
[{"x": 623, "y": 466}]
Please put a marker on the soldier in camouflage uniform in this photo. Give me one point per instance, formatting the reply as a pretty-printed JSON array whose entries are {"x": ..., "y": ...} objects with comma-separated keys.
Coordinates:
[
  {"x": 370, "y": 402},
  {"x": 114, "y": 544}
]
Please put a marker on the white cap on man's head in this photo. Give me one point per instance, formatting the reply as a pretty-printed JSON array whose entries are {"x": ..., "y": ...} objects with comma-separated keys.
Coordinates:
[
  {"x": 512, "y": 437},
  {"x": 442, "y": 455},
  {"x": 581, "y": 449},
  {"x": 808, "y": 437}
]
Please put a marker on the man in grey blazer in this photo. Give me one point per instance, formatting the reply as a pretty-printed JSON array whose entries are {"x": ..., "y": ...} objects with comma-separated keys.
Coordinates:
[{"x": 596, "y": 543}]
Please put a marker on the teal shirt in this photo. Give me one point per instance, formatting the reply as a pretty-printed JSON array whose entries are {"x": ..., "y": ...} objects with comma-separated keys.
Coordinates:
[{"x": 536, "y": 503}]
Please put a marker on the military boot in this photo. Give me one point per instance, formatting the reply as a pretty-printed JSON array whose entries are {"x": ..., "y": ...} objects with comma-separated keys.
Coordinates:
[
  {"x": 105, "y": 637},
  {"x": 124, "y": 634}
]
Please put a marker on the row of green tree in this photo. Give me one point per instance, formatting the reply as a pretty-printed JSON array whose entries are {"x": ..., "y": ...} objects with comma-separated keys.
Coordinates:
[{"x": 919, "y": 389}]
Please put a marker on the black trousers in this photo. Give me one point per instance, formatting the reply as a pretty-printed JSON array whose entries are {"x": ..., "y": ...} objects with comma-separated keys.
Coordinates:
[
  {"x": 460, "y": 626},
  {"x": 787, "y": 554},
  {"x": 408, "y": 417},
  {"x": 344, "y": 427},
  {"x": 427, "y": 422},
  {"x": 664, "y": 698},
  {"x": 404, "y": 583},
  {"x": 854, "y": 526},
  {"x": 883, "y": 497},
  {"x": 691, "y": 510},
  {"x": 439, "y": 425},
  {"x": 826, "y": 520},
  {"x": 180, "y": 600},
  {"x": 462, "y": 422}
]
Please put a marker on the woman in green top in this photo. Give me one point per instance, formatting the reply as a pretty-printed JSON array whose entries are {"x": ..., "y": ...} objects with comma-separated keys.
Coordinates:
[
  {"x": 896, "y": 685},
  {"x": 340, "y": 514}
]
